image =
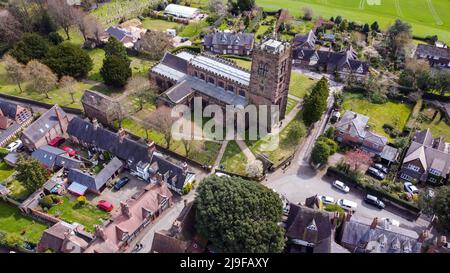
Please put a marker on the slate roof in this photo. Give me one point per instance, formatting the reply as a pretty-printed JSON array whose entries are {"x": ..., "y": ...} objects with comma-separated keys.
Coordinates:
[
  {"x": 305, "y": 41},
  {"x": 129, "y": 150},
  {"x": 222, "y": 68},
  {"x": 163, "y": 243},
  {"x": 8, "y": 109},
  {"x": 47, "y": 155},
  {"x": 357, "y": 232},
  {"x": 355, "y": 124},
  {"x": 229, "y": 38},
  {"x": 43, "y": 124},
  {"x": 53, "y": 237},
  {"x": 97, "y": 100},
  {"x": 301, "y": 218},
  {"x": 429, "y": 152},
  {"x": 433, "y": 51},
  {"x": 176, "y": 176},
  {"x": 118, "y": 33}
]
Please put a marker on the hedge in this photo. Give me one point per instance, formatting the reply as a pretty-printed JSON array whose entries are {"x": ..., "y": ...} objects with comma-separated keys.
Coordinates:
[{"x": 333, "y": 171}]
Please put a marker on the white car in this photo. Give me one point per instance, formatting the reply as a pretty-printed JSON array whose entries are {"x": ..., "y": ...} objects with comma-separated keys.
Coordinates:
[
  {"x": 347, "y": 204},
  {"x": 327, "y": 200},
  {"x": 222, "y": 175},
  {"x": 340, "y": 185},
  {"x": 391, "y": 221},
  {"x": 409, "y": 187},
  {"x": 13, "y": 146}
]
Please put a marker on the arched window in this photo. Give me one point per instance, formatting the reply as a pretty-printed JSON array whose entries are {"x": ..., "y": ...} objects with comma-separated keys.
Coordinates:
[{"x": 263, "y": 68}]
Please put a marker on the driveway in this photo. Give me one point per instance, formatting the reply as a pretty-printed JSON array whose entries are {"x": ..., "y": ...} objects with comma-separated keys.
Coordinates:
[{"x": 115, "y": 197}]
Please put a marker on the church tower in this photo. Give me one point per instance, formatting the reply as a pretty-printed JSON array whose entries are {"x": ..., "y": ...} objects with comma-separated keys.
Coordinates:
[{"x": 271, "y": 74}]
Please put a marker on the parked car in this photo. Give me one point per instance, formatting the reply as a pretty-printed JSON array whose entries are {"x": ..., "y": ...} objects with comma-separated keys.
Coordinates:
[
  {"x": 409, "y": 187},
  {"x": 222, "y": 174},
  {"x": 380, "y": 167},
  {"x": 391, "y": 221},
  {"x": 373, "y": 200},
  {"x": 347, "y": 205},
  {"x": 14, "y": 146},
  {"x": 56, "y": 141},
  {"x": 327, "y": 200},
  {"x": 375, "y": 173},
  {"x": 122, "y": 182},
  {"x": 70, "y": 151},
  {"x": 105, "y": 205},
  {"x": 341, "y": 186}
]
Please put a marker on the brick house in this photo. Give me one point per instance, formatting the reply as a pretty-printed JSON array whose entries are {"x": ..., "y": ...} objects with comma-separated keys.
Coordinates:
[
  {"x": 229, "y": 43},
  {"x": 438, "y": 57},
  {"x": 49, "y": 125},
  {"x": 99, "y": 106},
  {"x": 13, "y": 118},
  {"x": 427, "y": 159}
]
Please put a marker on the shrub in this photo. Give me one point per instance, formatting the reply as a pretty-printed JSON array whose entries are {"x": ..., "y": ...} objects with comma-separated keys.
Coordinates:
[
  {"x": 388, "y": 126},
  {"x": 46, "y": 202},
  {"x": 81, "y": 199},
  {"x": 187, "y": 188},
  {"x": 3, "y": 153},
  {"x": 55, "y": 38}
]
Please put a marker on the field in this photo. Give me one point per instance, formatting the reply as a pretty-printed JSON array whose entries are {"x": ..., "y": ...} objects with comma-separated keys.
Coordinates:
[
  {"x": 233, "y": 159},
  {"x": 300, "y": 84},
  {"x": 427, "y": 17},
  {"x": 13, "y": 222},
  {"x": 438, "y": 126},
  {"x": 392, "y": 112}
]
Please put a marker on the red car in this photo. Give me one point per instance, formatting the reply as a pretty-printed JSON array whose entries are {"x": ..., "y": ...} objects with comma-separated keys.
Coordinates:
[
  {"x": 70, "y": 151},
  {"x": 105, "y": 205},
  {"x": 56, "y": 141}
]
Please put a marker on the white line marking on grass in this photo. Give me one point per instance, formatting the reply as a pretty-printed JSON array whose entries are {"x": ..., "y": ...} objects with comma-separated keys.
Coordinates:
[
  {"x": 361, "y": 4},
  {"x": 398, "y": 9},
  {"x": 434, "y": 13}
]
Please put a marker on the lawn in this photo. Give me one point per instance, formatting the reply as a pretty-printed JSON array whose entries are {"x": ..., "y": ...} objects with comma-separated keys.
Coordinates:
[
  {"x": 111, "y": 12},
  {"x": 233, "y": 159},
  {"x": 438, "y": 126},
  {"x": 300, "y": 84},
  {"x": 5, "y": 171},
  {"x": 240, "y": 62},
  {"x": 291, "y": 103},
  {"x": 286, "y": 147},
  {"x": 87, "y": 215},
  {"x": 193, "y": 29},
  {"x": 426, "y": 17},
  {"x": 160, "y": 25},
  {"x": 17, "y": 191},
  {"x": 13, "y": 222},
  {"x": 392, "y": 112}
]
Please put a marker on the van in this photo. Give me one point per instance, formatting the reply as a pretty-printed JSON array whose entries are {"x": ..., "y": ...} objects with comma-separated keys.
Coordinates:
[{"x": 347, "y": 205}]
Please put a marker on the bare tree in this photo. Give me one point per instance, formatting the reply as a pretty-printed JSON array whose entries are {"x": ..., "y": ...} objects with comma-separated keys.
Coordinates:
[
  {"x": 63, "y": 14},
  {"x": 67, "y": 83},
  {"x": 156, "y": 43},
  {"x": 10, "y": 29},
  {"x": 161, "y": 119},
  {"x": 219, "y": 7},
  {"x": 14, "y": 70},
  {"x": 282, "y": 19},
  {"x": 254, "y": 169},
  {"x": 307, "y": 13},
  {"x": 89, "y": 26},
  {"x": 190, "y": 146},
  {"x": 22, "y": 11},
  {"x": 143, "y": 89},
  {"x": 42, "y": 79}
]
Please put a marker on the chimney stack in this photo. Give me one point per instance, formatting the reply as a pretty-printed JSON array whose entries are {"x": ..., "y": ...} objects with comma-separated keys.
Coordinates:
[
  {"x": 125, "y": 209},
  {"x": 348, "y": 216},
  {"x": 100, "y": 232},
  {"x": 374, "y": 223},
  {"x": 185, "y": 202},
  {"x": 151, "y": 148},
  {"x": 423, "y": 236},
  {"x": 95, "y": 123},
  {"x": 59, "y": 117},
  {"x": 122, "y": 134},
  {"x": 185, "y": 167}
]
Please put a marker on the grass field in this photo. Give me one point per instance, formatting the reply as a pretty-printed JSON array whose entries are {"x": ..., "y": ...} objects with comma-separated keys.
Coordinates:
[
  {"x": 87, "y": 215},
  {"x": 5, "y": 171},
  {"x": 160, "y": 25},
  {"x": 427, "y": 17},
  {"x": 300, "y": 84},
  {"x": 233, "y": 159},
  {"x": 439, "y": 127},
  {"x": 392, "y": 112},
  {"x": 13, "y": 222}
]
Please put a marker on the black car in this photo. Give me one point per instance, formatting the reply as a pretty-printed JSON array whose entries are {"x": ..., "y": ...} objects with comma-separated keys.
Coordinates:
[
  {"x": 122, "y": 182},
  {"x": 370, "y": 199}
]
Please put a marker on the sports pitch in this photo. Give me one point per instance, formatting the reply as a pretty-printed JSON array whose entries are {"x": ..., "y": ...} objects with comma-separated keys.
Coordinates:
[{"x": 427, "y": 17}]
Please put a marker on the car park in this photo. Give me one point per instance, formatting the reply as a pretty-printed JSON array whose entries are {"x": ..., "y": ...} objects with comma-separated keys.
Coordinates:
[
  {"x": 14, "y": 146},
  {"x": 373, "y": 200},
  {"x": 341, "y": 186},
  {"x": 56, "y": 141},
  {"x": 105, "y": 205},
  {"x": 347, "y": 205},
  {"x": 380, "y": 167},
  {"x": 375, "y": 173},
  {"x": 122, "y": 182},
  {"x": 327, "y": 200},
  {"x": 410, "y": 188}
]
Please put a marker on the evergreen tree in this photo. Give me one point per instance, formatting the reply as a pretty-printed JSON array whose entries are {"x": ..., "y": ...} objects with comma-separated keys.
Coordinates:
[
  {"x": 31, "y": 174},
  {"x": 31, "y": 46},
  {"x": 375, "y": 27},
  {"x": 115, "y": 70},
  {"x": 114, "y": 47},
  {"x": 69, "y": 60}
]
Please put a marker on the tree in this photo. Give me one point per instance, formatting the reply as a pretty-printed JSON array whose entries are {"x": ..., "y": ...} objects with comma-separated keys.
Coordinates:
[
  {"x": 307, "y": 13},
  {"x": 343, "y": 26},
  {"x": 338, "y": 20},
  {"x": 114, "y": 47},
  {"x": 46, "y": 24},
  {"x": 190, "y": 145},
  {"x": 10, "y": 29},
  {"x": 69, "y": 60},
  {"x": 218, "y": 7},
  {"x": 64, "y": 15},
  {"x": 14, "y": 70},
  {"x": 366, "y": 28},
  {"x": 89, "y": 27},
  {"x": 295, "y": 132},
  {"x": 161, "y": 119},
  {"x": 245, "y": 5},
  {"x": 31, "y": 46},
  {"x": 67, "y": 83},
  {"x": 41, "y": 78},
  {"x": 31, "y": 174},
  {"x": 143, "y": 89},
  {"x": 155, "y": 44},
  {"x": 239, "y": 216},
  {"x": 399, "y": 36},
  {"x": 316, "y": 103},
  {"x": 320, "y": 153},
  {"x": 437, "y": 203},
  {"x": 375, "y": 27},
  {"x": 55, "y": 38},
  {"x": 254, "y": 169},
  {"x": 115, "y": 70},
  {"x": 330, "y": 132}
]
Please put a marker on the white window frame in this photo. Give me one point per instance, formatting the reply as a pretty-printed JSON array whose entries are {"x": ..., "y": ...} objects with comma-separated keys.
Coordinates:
[
  {"x": 405, "y": 177},
  {"x": 413, "y": 167}
]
